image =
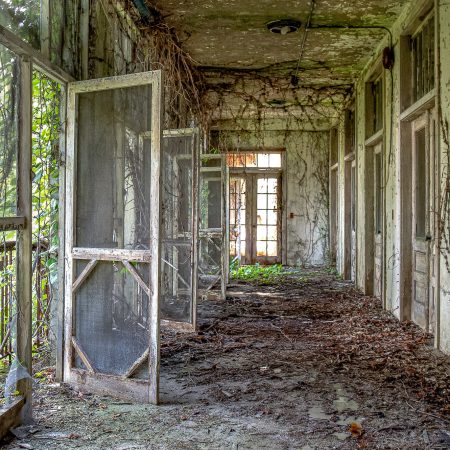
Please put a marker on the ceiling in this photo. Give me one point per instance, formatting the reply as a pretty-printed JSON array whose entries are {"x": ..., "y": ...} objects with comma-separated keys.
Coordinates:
[{"x": 231, "y": 36}]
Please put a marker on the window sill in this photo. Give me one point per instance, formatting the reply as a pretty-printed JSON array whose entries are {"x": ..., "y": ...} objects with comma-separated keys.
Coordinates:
[{"x": 418, "y": 108}]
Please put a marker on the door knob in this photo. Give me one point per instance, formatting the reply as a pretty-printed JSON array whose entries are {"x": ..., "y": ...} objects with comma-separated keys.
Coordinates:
[{"x": 428, "y": 238}]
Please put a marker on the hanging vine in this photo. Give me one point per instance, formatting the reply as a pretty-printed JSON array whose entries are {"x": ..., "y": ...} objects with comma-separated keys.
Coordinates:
[{"x": 444, "y": 207}]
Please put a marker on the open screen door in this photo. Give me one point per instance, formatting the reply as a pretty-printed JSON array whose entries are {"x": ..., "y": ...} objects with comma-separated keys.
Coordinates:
[
  {"x": 213, "y": 234},
  {"x": 112, "y": 248},
  {"x": 179, "y": 228}
]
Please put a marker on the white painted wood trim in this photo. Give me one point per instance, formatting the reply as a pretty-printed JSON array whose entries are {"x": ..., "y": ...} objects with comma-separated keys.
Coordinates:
[
  {"x": 113, "y": 254},
  {"x": 21, "y": 48}
]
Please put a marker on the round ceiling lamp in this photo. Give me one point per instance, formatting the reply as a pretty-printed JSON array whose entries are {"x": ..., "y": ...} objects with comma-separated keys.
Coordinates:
[{"x": 284, "y": 26}]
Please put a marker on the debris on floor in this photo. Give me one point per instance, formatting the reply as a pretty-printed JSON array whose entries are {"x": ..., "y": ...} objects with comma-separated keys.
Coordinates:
[{"x": 304, "y": 363}]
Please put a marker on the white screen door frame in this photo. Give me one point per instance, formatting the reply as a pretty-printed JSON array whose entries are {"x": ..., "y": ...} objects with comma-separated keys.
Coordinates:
[
  {"x": 182, "y": 238},
  {"x": 142, "y": 390}
]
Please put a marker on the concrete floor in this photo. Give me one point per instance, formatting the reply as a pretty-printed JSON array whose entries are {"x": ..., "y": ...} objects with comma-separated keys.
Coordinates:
[{"x": 307, "y": 363}]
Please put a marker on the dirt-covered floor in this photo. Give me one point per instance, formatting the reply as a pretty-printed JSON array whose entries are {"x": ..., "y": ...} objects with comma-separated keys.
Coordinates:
[{"x": 306, "y": 363}]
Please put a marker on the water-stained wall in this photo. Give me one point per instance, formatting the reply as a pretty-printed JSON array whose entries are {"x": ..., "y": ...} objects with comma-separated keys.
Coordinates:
[{"x": 398, "y": 259}]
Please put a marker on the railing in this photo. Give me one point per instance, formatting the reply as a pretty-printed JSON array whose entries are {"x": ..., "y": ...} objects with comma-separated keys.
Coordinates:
[
  {"x": 42, "y": 297},
  {"x": 7, "y": 297}
]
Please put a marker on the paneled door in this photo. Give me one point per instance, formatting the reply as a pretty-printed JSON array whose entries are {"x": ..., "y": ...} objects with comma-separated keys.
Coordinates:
[
  {"x": 255, "y": 217},
  {"x": 423, "y": 198},
  {"x": 112, "y": 237},
  {"x": 353, "y": 222},
  {"x": 378, "y": 220}
]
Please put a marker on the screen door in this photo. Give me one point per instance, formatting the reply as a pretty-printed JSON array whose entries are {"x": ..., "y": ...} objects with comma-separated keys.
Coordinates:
[
  {"x": 112, "y": 248},
  {"x": 213, "y": 234},
  {"x": 179, "y": 225}
]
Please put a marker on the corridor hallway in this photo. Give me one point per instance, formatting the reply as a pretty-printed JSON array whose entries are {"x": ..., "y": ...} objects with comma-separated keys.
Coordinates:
[{"x": 303, "y": 362}]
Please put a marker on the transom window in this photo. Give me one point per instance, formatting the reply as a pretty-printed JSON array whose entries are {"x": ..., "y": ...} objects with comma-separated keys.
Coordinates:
[
  {"x": 423, "y": 59},
  {"x": 270, "y": 160}
]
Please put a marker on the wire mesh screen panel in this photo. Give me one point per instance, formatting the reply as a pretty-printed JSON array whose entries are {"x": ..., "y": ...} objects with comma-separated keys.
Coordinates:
[
  {"x": 177, "y": 289},
  {"x": 211, "y": 238},
  {"x": 112, "y": 241},
  {"x": 238, "y": 208},
  {"x": 112, "y": 327},
  {"x": 8, "y": 301},
  {"x": 113, "y": 166},
  {"x": 9, "y": 76}
]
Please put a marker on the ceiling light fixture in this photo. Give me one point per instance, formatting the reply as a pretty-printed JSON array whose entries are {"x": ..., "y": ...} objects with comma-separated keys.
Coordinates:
[{"x": 284, "y": 26}]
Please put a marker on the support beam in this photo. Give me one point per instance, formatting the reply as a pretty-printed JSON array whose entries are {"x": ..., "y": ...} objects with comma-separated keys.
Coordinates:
[{"x": 24, "y": 239}]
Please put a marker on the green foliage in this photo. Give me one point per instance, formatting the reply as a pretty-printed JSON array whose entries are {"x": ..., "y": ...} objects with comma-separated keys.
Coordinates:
[
  {"x": 22, "y": 17},
  {"x": 45, "y": 159},
  {"x": 46, "y": 129},
  {"x": 258, "y": 274}
]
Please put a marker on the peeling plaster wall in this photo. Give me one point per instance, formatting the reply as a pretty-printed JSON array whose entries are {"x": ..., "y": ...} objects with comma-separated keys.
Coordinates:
[
  {"x": 444, "y": 301},
  {"x": 305, "y": 241},
  {"x": 394, "y": 153},
  {"x": 307, "y": 198},
  {"x": 116, "y": 46},
  {"x": 391, "y": 182}
]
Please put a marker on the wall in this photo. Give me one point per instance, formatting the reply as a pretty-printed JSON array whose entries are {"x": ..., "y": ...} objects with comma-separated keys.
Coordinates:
[
  {"x": 306, "y": 184},
  {"x": 397, "y": 256},
  {"x": 444, "y": 70}
]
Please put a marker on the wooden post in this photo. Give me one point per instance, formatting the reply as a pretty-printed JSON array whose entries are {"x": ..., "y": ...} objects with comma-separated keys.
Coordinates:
[
  {"x": 61, "y": 236},
  {"x": 69, "y": 221},
  {"x": 195, "y": 151},
  {"x": 45, "y": 28},
  {"x": 24, "y": 238},
  {"x": 155, "y": 241}
]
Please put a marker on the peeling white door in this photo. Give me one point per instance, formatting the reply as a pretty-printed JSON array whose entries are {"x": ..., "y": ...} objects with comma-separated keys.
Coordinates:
[{"x": 423, "y": 225}]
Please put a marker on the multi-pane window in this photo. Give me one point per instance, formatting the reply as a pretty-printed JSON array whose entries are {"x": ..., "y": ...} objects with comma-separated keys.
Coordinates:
[
  {"x": 350, "y": 132},
  {"x": 374, "y": 105},
  {"x": 256, "y": 160},
  {"x": 334, "y": 145},
  {"x": 267, "y": 217},
  {"x": 377, "y": 105},
  {"x": 254, "y": 212},
  {"x": 420, "y": 183},
  {"x": 378, "y": 193},
  {"x": 423, "y": 59},
  {"x": 237, "y": 216}
]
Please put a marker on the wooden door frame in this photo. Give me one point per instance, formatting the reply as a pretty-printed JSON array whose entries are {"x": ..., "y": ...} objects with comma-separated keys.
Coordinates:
[
  {"x": 349, "y": 165},
  {"x": 251, "y": 174},
  {"x": 333, "y": 212},
  {"x": 223, "y": 231},
  {"x": 427, "y": 121},
  {"x": 194, "y": 134},
  {"x": 378, "y": 149},
  {"x": 253, "y": 225},
  {"x": 138, "y": 390},
  {"x": 406, "y": 167},
  {"x": 369, "y": 206}
]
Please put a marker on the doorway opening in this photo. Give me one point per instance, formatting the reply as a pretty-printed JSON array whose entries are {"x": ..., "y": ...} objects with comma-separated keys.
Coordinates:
[{"x": 255, "y": 207}]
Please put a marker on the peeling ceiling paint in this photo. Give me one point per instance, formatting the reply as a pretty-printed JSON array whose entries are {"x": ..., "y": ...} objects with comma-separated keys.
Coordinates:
[{"x": 232, "y": 35}]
